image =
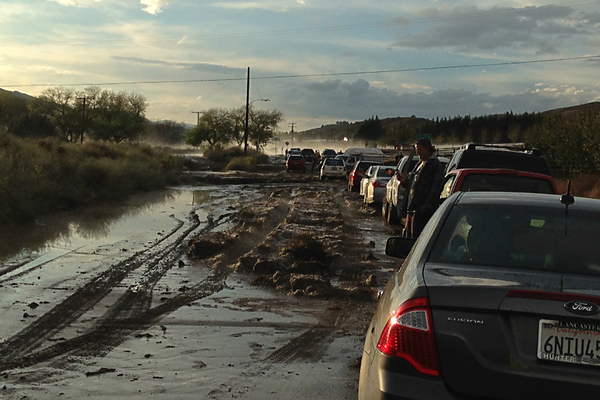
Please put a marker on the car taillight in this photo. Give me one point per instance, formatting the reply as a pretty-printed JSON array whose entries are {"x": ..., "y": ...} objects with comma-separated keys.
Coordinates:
[{"x": 409, "y": 335}]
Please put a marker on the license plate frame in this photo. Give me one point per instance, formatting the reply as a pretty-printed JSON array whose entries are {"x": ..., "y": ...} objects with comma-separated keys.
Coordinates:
[{"x": 569, "y": 342}]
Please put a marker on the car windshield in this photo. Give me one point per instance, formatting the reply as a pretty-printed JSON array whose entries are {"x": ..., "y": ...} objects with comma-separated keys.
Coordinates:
[
  {"x": 506, "y": 183},
  {"x": 523, "y": 237}
]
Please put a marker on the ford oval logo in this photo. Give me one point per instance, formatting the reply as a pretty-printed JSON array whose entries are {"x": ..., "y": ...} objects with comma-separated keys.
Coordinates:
[{"x": 581, "y": 307}]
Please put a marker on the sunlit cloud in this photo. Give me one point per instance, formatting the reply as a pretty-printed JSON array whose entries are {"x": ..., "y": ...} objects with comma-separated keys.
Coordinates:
[
  {"x": 268, "y": 5},
  {"x": 154, "y": 6},
  {"x": 76, "y": 3}
]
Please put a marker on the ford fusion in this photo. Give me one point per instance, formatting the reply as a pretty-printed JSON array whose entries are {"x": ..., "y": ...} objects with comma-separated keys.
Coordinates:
[{"x": 498, "y": 299}]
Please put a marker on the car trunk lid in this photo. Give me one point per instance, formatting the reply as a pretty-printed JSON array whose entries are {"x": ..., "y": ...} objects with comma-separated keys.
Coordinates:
[{"x": 487, "y": 327}]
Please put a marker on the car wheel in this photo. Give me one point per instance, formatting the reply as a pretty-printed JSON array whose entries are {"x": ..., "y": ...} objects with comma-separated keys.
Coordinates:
[{"x": 392, "y": 215}]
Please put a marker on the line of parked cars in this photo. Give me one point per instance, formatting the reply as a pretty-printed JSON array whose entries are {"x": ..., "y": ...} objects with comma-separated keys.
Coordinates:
[{"x": 499, "y": 296}]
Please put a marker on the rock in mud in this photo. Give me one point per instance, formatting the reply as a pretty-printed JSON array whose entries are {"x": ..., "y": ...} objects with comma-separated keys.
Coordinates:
[
  {"x": 309, "y": 267},
  {"x": 312, "y": 285},
  {"x": 304, "y": 247},
  {"x": 263, "y": 266}
]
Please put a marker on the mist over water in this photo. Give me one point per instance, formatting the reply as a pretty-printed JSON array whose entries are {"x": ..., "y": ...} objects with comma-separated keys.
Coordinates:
[{"x": 278, "y": 147}]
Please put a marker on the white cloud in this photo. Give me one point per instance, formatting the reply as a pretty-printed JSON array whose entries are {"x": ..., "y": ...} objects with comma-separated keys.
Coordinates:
[
  {"x": 269, "y": 5},
  {"x": 154, "y": 6},
  {"x": 76, "y": 3}
]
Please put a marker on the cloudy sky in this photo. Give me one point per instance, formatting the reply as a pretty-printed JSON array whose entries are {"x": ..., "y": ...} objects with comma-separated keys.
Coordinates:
[{"x": 317, "y": 61}]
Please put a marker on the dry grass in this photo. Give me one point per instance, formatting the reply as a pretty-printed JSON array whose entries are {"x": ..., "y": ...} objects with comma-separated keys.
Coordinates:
[
  {"x": 581, "y": 185},
  {"x": 38, "y": 176}
]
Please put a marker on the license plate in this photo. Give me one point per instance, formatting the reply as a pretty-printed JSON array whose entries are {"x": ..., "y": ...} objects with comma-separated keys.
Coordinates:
[
  {"x": 334, "y": 168},
  {"x": 576, "y": 343}
]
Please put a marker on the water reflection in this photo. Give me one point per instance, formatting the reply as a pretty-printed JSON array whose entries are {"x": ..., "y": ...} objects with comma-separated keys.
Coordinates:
[
  {"x": 142, "y": 215},
  {"x": 91, "y": 223}
]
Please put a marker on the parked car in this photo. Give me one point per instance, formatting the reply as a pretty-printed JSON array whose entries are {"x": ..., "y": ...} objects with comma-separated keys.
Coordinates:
[
  {"x": 371, "y": 171},
  {"x": 295, "y": 162},
  {"x": 473, "y": 155},
  {"x": 366, "y": 153},
  {"x": 394, "y": 191},
  {"x": 497, "y": 299},
  {"x": 393, "y": 207},
  {"x": 308, "y": 154},
  {"x": 349, "y": 162},
  {"x": 358, "y": 173},
  {"x": 497, "y": 180},
  {"x": 327, "y": 153},
  {"x": 376, "y": 185},
  {"x": 294, "y": 151},
  {"x": 332, "y": 168}
]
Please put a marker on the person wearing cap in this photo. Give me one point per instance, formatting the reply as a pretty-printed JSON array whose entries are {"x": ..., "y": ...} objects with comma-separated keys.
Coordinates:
[{"x": 425, "y": 188}]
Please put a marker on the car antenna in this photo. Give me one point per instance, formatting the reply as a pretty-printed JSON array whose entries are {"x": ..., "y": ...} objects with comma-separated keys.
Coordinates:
[{"x": 567, "y": 200}]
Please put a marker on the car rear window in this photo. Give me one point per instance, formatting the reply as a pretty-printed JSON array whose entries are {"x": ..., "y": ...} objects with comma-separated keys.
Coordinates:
[
  {"x": 383, "y": 172},
  {"x": 529, "y": 238},
  {"x": 505, "y": 183},
  {"x": 334, "y": 161},
  {"x": 504, "y": 159}
]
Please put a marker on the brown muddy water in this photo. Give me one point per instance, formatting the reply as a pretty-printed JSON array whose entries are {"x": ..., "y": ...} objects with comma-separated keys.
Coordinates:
[{"x": 105, "y": 304}]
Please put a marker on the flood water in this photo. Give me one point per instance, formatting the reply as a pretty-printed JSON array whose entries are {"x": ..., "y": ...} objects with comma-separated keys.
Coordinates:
[{"x": 146, "y": 214}]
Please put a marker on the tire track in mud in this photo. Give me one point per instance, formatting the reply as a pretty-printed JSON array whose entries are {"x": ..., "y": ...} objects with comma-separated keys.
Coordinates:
[
  {"x": 85, "y": 298},
  {"x": 129, "y": 314}
]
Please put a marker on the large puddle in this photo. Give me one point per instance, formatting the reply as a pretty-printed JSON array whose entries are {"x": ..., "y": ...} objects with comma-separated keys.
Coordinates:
[{"x": 148, "y": 214}]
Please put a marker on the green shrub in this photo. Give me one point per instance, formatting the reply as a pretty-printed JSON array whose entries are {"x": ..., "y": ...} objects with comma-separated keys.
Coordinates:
[
  {"x": 223, "y": 155},
  {"x": 242, "y": 164},
  {"x": 44, "y": 175}
]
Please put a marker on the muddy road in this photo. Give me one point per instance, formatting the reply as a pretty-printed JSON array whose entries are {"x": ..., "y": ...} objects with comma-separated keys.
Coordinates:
[{"x": 247, "y": 287}]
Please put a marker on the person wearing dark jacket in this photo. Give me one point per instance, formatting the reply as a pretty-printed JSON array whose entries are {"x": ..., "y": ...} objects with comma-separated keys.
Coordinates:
[{"x": 425, "y": 188}]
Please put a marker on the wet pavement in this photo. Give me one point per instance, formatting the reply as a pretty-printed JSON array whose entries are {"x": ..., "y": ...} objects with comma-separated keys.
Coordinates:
[{"x": 105, "y": 303}]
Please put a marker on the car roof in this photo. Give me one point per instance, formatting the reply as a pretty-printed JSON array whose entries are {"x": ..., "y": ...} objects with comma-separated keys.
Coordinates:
[
  {"x": 525, "y": 199},
  {"x": 473, "y": 155},
  {"x": 498, "y": 171}
]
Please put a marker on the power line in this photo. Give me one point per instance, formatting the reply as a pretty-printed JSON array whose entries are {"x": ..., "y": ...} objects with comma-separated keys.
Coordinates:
[{"x": 291, "y": 76}]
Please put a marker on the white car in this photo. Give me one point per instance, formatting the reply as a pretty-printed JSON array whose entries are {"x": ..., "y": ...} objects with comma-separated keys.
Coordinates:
[
  {"x": 376, "y": 185},
  {"x": 365, "y": 180},
  {"x": 332, "y": 168}
]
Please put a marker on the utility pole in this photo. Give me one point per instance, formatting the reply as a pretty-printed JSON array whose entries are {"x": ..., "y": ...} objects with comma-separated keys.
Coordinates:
[
  {"x": 247, "y": 110},
  {"x": 84, "y": 98},
  {"x": 292, "y": 124},
  {"x": 198, "y": 114}
]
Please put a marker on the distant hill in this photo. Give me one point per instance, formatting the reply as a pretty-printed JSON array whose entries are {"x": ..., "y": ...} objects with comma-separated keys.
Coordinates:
[
  {"x": 593, "y": 107},
  {"x": 347, "y": 129},
  {"x": 17, "y": 94}
]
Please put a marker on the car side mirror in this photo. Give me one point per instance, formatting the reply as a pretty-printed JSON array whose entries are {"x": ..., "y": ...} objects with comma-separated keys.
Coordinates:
[{"x": 398, "y": 246}]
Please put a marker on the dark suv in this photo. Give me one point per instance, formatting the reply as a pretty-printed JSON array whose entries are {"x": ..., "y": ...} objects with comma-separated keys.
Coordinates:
[{"x": 473, "y": 155}]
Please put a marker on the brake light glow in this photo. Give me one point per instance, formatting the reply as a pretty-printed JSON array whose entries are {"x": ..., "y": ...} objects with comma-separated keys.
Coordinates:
[{"x": 409, "y": 335}]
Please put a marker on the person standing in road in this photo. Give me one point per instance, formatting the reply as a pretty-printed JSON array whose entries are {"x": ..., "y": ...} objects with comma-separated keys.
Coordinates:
[
  {"x": 425, "y": 188},
  {"x": 315, "y": 161}
]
